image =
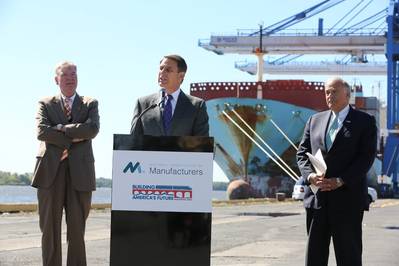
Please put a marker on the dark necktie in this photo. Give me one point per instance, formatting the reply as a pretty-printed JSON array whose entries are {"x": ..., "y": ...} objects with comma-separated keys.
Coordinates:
[
  {"x": 67, "y": 108},
  {"x": 167, "y": 114}
]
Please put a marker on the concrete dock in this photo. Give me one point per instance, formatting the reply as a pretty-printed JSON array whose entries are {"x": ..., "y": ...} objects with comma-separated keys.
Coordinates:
[{"x": 242, "y": 234}]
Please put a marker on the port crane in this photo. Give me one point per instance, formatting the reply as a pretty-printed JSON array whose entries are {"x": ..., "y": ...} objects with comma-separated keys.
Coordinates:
[
  {"x": 315, "y": 68},
  {"x": 391, "y": 148},
  {"x": 355, "y": 41}
]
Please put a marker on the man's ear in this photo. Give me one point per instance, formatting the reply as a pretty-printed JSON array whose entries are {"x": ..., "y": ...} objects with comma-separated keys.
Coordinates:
[
  {"x": 181, "y": 76},
  {"x": 56, "y": 80}
]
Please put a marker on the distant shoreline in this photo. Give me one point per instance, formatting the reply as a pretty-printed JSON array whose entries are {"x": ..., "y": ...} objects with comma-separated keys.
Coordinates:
[
  {"x": 28, "y": 195},
  {"x": 107, "y": 183}
]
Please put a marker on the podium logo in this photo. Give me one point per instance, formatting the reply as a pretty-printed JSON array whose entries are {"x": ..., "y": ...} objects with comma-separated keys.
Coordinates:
[
  {"x": 162, "y": 192},
  {"x": 132, "y": 168}
]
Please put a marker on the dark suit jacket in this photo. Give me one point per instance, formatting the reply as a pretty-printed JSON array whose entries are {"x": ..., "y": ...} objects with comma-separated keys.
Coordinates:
[
  {"x": 350, "y": 157},
  {"x": 85, "y": 125},
  {"x": 189, "y": 118}
]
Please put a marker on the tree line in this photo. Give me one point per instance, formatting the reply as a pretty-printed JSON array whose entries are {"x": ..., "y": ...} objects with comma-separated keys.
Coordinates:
[
  {"x": 14, "y": 179},
  {"x": 7, "y": 178}
]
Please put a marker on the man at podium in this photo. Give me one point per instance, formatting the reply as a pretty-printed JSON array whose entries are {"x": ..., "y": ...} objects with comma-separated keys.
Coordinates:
[{"x": 170, "y": 112}]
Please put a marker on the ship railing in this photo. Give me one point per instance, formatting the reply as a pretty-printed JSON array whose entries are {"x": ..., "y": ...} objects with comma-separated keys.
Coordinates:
[
  {"x": 245, "y": 63},
  {"x": 309, "y": 32},
  {"x": 283, "y": 165}
]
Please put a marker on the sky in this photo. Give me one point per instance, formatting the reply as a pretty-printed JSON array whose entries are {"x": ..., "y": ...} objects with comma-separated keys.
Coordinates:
[{"x": 117, "y": 46}]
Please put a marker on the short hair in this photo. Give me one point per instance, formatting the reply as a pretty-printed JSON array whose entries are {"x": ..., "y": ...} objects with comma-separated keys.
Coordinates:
[
  {"x": 181, "y": 63},
  {"x": 342, "y": 82},
  {"x": 63, "y": 64}
]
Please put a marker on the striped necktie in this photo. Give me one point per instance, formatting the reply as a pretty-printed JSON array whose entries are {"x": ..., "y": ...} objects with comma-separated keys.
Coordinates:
[
  {"x": 67, "y": 108},
  {"x": 167, "y": 114},
  {"x": 332, "y": 133}
]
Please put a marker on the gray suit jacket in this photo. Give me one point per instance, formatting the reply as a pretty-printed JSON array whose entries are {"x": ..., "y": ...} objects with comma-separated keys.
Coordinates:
[
  {"x": 85, "y": 125},
  {"x": 189, "y": 118}
]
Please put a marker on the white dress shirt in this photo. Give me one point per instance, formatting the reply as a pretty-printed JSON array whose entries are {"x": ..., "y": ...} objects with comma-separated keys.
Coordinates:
[
  {"x": 341, "y": 117},
  {"x": 72, "y": 98}
]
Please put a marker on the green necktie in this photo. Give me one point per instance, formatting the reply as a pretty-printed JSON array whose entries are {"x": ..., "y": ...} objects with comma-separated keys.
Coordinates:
[{"x": 332, "y": 132}]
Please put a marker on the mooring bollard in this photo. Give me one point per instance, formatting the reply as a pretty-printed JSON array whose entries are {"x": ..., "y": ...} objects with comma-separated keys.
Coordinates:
[{"x": 280, "y": 196}]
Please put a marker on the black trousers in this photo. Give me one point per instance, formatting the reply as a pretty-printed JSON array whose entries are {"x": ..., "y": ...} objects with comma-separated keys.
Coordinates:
[{"x": 344, "y": 226}]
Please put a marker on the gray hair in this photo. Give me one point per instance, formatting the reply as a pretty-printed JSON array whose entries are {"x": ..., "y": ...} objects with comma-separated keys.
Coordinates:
[
  {"x": 342, "y": 82},
  {"x": 62, "y": 65}
]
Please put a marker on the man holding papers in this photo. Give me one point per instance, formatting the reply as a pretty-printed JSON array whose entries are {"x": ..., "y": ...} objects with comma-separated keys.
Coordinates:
[{"x": 344, "y": 140}]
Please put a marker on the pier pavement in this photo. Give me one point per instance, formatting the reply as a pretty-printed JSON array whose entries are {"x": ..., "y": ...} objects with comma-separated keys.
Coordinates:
[{"x": 255, "y": 233}]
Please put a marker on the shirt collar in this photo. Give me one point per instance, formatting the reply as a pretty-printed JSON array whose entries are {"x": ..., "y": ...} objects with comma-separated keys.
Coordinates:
[
  {"x": 72, "y": 98},
  {"x": 342, "y": 114},
  {"x": 175, "y": 94}
]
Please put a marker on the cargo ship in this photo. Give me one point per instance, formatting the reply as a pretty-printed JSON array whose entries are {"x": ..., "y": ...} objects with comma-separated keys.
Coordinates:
[{"x": 277, "y": 110}]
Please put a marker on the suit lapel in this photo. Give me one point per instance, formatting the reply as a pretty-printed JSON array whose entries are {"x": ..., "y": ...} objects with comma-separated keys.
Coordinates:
[
  {"x": 59, "y": 109},
  {"x": 346, "y": 128},
  {"x": 324, "y": 126},
  {"x": 158, "y": 114},
  {"x": 178, "y": 113},
  {"x": 76, "y": 107}
]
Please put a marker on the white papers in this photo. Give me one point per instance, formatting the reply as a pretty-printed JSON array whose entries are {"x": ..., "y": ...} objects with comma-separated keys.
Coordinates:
[{"x": 319, "y": 165}]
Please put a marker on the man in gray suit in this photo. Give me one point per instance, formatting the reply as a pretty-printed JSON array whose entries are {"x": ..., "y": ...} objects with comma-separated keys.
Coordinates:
[
  {"x": 170, "y": 112},
  {"x": 64, "y": 173}
]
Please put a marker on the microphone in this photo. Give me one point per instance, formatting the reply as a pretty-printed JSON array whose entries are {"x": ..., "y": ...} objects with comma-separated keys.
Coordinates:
[
  {"x": 136, "y": 122},
  {"x": 163, "y": 99},
  {"x": 161, "y": 104}
]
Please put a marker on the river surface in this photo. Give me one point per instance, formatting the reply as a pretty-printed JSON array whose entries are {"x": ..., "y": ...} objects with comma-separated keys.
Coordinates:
[{"x": 27, "y": 194}]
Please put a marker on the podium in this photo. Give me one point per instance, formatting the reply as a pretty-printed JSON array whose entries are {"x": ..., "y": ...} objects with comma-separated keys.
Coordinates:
[{"x": 161, "y": 201}]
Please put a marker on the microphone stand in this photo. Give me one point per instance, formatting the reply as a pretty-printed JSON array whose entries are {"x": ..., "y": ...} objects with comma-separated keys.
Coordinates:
[{"x": 161, "y": 104}]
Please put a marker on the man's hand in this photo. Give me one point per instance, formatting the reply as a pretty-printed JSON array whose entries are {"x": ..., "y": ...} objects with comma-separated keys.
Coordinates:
[
  {"x": 329, "y": 184},
  {"x": 64, "y": 155},
  {"x": 315, "y": 179}
]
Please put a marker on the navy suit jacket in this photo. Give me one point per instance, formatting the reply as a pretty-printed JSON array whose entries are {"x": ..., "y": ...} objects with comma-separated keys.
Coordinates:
[
  {"x": 350, "y": 158},
  {"x": 190, "y": 117}
]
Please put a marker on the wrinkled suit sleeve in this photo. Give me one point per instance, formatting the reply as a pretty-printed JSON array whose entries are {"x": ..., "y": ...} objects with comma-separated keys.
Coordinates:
[
  {"x": 304, "y": 164},
  {"x": 201, "y": 124},
  {"x": 46, "y": 133},
  {"x": 87, "y": 130}
]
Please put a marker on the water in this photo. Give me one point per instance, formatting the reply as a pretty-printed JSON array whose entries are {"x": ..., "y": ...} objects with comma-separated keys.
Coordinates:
[{"x": 27, "y": 194}]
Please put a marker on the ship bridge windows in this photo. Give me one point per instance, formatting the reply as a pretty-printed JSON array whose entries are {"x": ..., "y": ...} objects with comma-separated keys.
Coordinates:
[
  {"x": 296, "y": 113},
  {"x": 260, "y": 108}
]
